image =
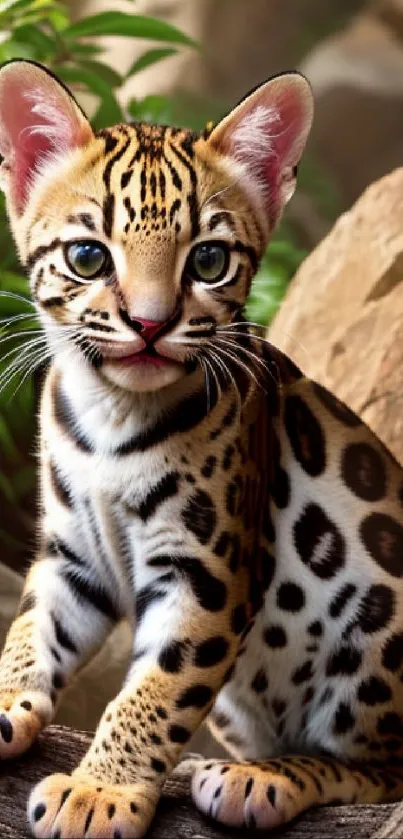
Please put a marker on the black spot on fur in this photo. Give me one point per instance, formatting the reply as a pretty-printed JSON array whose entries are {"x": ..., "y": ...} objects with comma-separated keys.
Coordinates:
[
  {"x": 158, "y": 765},
  {"x": 211, "y": 652},
  {"x": 280, "y": 483},
  {"x": 271, "y": 795},
  {"x": 231, "y": 497},
  {"x": 344, "y": 720},
  {"x": 227, "y": 459},
  {"x": 392, "y": 655},
  {"x": 319, "y": 543},
  {"x": 222, "y": 544},
  {"x": 383, "y": 539},
  {"x": 390, "y": 723},
  {"x": 239, "y": 619},
  {"x": 315, "y": 629},
  {"x": 200, "y": 516},
  {"x": 6, "y": 728},
  {"x": 178, "y": 734},
  {"x": 305, "y": 435},
  {"x": 209, "y": 466},
  {"x": 171, "y": 657},
  {"x": 290, "y": 597},
  {"x": 260, "y": 683},
  {"x": 166, "y": 488},
  {"x": 373, "y": 691},
  {"x": 345, "y": 661},
  {"x": 234, "y": 557},
  {"x": 197, "y": 696},
  {"x": 341, "y": 599},
  {"x": 336, "y": 407},
  {"x": 376, "y": 608},
  {"x": 303, "y": 673},
  {"x": 279, "y": 707},
  {"x": 275, "y": 637},
  {"x": 39, "y": 812},
  {"x": 363, "y": 471},
  {"x": 209, "y": 590}
]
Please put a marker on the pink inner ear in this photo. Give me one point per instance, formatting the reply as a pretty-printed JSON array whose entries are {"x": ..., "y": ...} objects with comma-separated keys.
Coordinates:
[
  {"x": 269, "y": 139},
  {"x": 36, "y": 122}
]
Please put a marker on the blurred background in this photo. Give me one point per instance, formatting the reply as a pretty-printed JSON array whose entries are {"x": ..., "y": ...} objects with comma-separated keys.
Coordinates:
[{"x": 186, "y": 62}]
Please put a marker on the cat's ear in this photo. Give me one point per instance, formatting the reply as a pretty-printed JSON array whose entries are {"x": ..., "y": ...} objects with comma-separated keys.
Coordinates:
[
  {"x": 266, "y": 133},
  {"x": 39, "y": 119}
]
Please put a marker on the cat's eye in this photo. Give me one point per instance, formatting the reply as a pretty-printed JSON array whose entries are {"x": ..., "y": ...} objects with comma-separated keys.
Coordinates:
[
  {"x": 87, "y": 259},
  {"x": 209, "y": 261}
]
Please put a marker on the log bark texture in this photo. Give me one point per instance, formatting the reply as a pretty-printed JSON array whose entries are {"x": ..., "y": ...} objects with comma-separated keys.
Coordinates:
[{"x": 59, "y": 749}]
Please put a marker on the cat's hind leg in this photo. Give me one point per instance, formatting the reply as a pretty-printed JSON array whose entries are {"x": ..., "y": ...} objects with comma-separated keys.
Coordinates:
[{"x": 266, "y": 794}]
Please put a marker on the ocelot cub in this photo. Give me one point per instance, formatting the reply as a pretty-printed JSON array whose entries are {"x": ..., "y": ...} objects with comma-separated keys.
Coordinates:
[{"x": 193, "y": 482}]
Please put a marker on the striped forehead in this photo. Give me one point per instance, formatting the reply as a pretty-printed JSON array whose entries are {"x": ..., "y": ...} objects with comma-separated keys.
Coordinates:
[{"x": 149, "y": 179}]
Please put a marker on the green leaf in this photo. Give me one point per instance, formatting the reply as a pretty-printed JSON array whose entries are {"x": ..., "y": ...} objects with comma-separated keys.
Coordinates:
[
  {"x": 108, "y": 113},
  {"x": 129, "y": 26},
  {"x": 106, "y": 73},
  {"x": 153, "y": 108},
  {"x": 6, "y": 489},
  {"x": 14, "y": 49},
  {"x": 34, "y": 36},
  {"x": 150, "y": 57},
  {"x": 13, "y": 5},
  {"x": 84, "y": 49},
  {"x": 80, "y": 77},
  {"x": 8, "y": 446}
]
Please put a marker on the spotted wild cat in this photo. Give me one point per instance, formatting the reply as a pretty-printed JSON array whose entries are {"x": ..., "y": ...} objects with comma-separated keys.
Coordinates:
[{"x": 193, "y": 481}]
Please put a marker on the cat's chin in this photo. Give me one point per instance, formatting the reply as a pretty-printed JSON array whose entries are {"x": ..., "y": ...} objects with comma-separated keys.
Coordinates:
[{"x": 144, "y": 377}]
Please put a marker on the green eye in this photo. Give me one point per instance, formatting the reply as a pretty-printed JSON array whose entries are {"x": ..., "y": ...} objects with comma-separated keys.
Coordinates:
[
  {"x": 87, "y": 259},
  {"x": 209, "y": 261}
]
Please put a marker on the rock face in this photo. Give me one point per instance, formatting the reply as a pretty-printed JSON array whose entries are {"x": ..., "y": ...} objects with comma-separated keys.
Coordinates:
[
  {"x": 357, "y": 78},
  {"x": 342, "y": 319}
]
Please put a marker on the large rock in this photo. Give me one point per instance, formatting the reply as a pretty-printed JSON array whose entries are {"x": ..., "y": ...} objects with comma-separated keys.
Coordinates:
[{"x": 342, "y": 319}]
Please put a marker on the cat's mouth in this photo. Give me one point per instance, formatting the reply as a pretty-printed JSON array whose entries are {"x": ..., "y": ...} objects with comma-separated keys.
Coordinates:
[
  {"x": 121, "y": 355},
  {"x": 148, "y": 355}
]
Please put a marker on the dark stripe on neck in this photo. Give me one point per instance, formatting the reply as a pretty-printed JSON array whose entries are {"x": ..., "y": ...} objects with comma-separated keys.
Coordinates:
[
  {"x": 66, "y": 420},
  {"x": 166, "y": 488},
  {"x": 184, "y": 416}
]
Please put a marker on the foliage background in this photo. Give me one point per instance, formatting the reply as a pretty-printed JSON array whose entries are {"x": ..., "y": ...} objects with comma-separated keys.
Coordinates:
[{"x": 42, "y": 30}]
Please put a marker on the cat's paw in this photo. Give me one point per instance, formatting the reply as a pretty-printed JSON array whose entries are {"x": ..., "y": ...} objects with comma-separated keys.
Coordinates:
[
  {"x": 244, "y": 795},
  {"x": 63, "y": 806},
  {"x": 23, "y": 714}
]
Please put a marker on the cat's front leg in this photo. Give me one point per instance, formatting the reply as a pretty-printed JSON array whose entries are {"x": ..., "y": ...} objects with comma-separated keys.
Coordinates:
[
  {"x": 64, "y": 615},
  {"x": 185, "y": 647}
]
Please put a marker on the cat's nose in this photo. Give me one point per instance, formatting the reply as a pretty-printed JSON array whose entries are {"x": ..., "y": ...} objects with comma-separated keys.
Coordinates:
[{"x": 146, "y": 328}]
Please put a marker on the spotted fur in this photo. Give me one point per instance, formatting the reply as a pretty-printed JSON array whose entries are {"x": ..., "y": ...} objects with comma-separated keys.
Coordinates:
[{"x": 242, "y": 519}]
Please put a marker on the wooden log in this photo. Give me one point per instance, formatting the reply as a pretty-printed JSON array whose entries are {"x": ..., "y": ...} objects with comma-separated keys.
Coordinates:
[{"x": 59, "y": 749}]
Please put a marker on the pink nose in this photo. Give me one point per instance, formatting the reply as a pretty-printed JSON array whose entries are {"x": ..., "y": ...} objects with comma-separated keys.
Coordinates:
[{"x": 148, "y": 328}]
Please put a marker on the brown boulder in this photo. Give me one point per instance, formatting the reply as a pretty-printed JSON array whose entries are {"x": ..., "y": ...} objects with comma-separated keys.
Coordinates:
[{"x": 342, "y": 319}]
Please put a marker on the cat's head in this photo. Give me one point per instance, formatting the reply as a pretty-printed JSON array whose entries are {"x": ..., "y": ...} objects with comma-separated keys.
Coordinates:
[{"x": 141, "y": 240}]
